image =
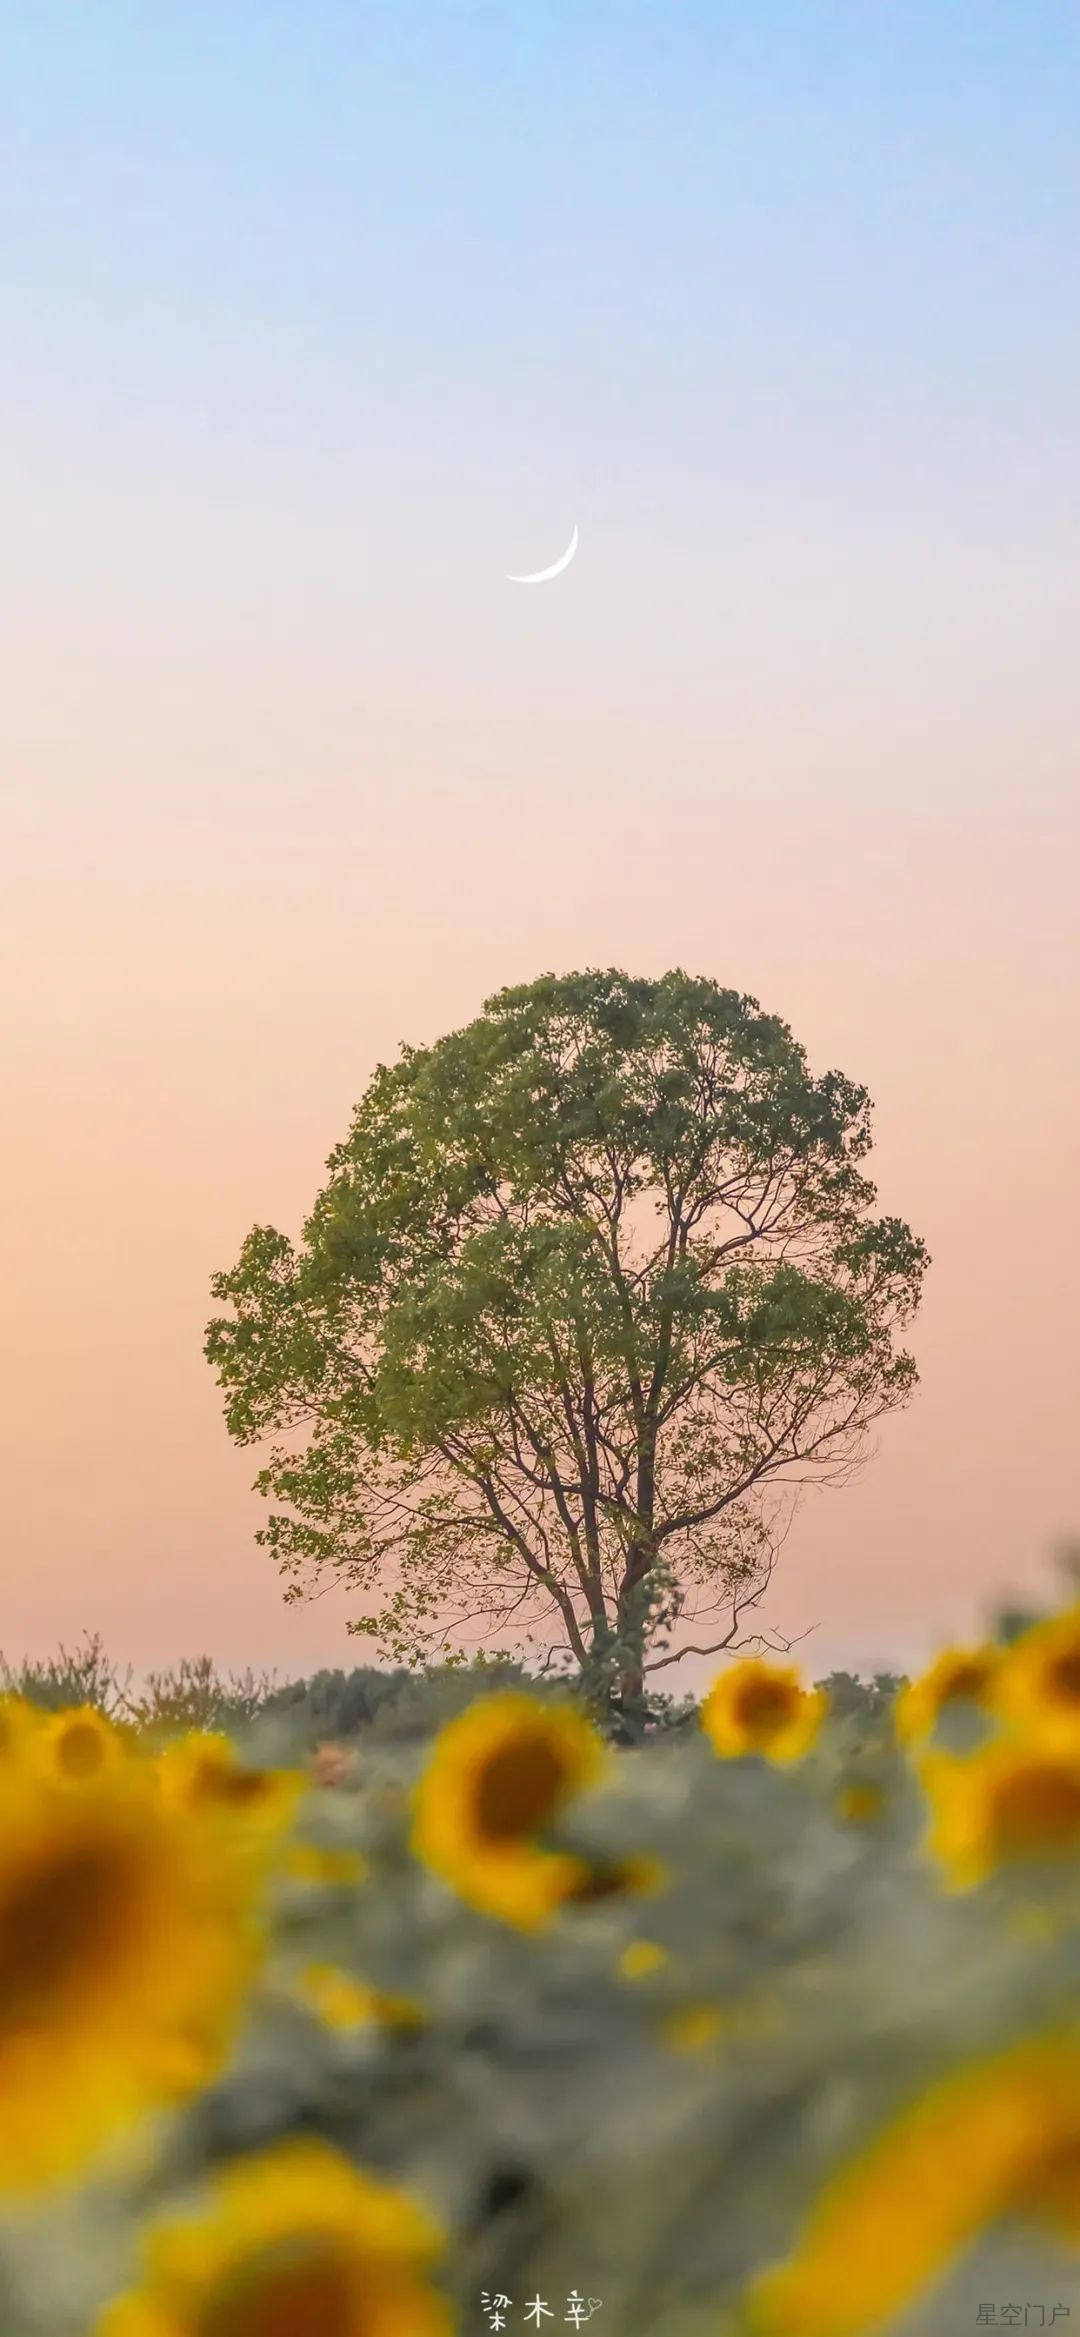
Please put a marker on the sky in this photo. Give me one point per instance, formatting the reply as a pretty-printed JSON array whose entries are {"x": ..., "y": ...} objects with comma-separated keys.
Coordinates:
[{"x": 317, "y": 324}]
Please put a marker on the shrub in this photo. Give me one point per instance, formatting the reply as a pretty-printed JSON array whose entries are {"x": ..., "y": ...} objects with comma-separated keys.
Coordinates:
[
  {"x": 83, "y": 1675},
  {"x": 332, "y": 1704}
]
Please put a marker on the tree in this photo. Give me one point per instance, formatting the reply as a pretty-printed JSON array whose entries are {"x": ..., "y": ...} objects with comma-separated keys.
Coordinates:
[
  {"x": 850, "y": 1696},
  {"x": 590, "y": 1279}
]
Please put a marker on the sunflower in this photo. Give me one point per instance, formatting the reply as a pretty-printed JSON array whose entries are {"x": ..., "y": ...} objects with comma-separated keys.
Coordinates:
[
  {"x": 617, "y": 1878},
  {"x": 859, "y": 1802},
  {"x": 128, "y": 1935},
  {"x": 697, "y": 2026},
  {"x": 497, "y": 1778},
  {"x": 1039, "y": 1682},
  {"x": 81, "y": 1741},
  {"x": 1000, "y": 2138},
  {"x": 322, "y": 1868},
  {"x": 692, "y": 2028},
  {"x": 296, "y": 2242},
  {"x": 20, "y": 1724},
  {"x": 1005, "y": 1804},
  {"x": 759, "y": 1707},
  {"x": 344, "y": 2002},
  {"x": 960, "y": 1677},
  {"x": 640, "y": 1957},
  {"x": 201, "y": 1772}
]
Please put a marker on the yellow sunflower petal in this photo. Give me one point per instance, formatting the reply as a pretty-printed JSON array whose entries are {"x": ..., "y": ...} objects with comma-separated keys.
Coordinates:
[
  {"x": 636, "y": 1877},
  {"x": 345, "y": 2002},
  {"x": 1005, "y": 1804},
  {"x": 308, "y": 1862},
  {"x": 692, "y": 2028},
  {"x": 1038, "y": 1684},
  {"x": 640, "y": 1957},
  {"x": 202, "y": 1771},
  {"x": 19, "y": 1721},
  {"x": 129, "y": 1935},
  {"x": 985, "y": 2142},
  {"x": 958, "y": 1676},
  {"x": 859, "y": 1803},
  {"x": 759, "y": 1707},
  {"x": 296, "y": 2241},
  {"x": 498, "y": 1778},
  {"x": 340, "y": 2000},
  {"x": 78, "y": 1743}
]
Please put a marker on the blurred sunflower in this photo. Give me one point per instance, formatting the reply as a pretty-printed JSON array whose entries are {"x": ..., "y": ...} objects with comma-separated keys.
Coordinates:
[
  {"x": 958, "y": 1677},
  {"x": 759, "y": 1707},
  {"x": 324, "y": 1868},
  {"x": 128, "y": 1936},
  {"x": 859, "y": 1802},
  {"x": 1038, "y": 1687},
  {"x": 78, "y": 1743},
  {"x": 696, "y": 2026},
  {"x": 998, "y": 2139},
  {"x": 19, "y": 1720},
  {"x": 692, "y": 2028},
  {"x": 201, "y": 1771},
  {"x": 498, "y": 1777},
  {"x": 296, "y": 2243},
  {"x": 640, "y": 1957},
  {"x": 617, "y": 1878},
  {"x": 344, "y": 2002},
  {"x": 1005, "y": 1804}
]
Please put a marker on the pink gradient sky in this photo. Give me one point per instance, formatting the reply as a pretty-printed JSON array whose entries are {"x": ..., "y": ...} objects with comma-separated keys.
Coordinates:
[
  {"x": 202, "y": 995},
  {"x": 315, "y": 328}
]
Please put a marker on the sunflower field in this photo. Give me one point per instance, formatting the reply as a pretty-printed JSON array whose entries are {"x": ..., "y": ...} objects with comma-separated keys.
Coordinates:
[{"x": 767, "y": 2027}]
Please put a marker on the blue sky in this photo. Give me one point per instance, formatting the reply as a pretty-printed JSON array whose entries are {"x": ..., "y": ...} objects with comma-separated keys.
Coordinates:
[
  {"x": 629, "y": 240},
  {"x": 329, "y": 317}
]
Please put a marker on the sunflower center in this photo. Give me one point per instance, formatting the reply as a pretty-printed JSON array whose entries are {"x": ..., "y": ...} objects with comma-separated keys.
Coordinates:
[
  {"x": 61, "y": 1926},
  {"x": 79, "y": 1749},
  {"x": 518, "y": 1788},
  {"x": 1038, "y": 1807},
  {"x": 765, "y": 1706},
  {"x": 1053, "y": 2188},
  {"x": 968, "y": 1680},
  {"x": 1065, "y": 1674},
  {"x": 238, "y": 1788},
  {"x": 298, "y": 2288},
  {"x": 600, "y": 1882}
]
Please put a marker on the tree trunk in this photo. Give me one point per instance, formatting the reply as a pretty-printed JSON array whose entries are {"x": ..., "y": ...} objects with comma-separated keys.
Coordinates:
[{"x": 628, "y": 1692}]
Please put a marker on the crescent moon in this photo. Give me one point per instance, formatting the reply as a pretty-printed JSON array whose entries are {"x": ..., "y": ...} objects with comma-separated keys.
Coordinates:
[{"x": 542, "y": 575}]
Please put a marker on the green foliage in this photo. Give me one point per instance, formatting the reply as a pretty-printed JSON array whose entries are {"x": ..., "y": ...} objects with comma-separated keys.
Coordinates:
[
  {"x": 369, "y": 1705},
  {"x": 588, "y": 1280},
  {"x": 191, "y": 1694},
  {"x": 378, "y": 1706},
  {"x": 851, "y": 1697},
  {"x": 334, "y": 1704},
  {"x": 403, "y": 1707},
  {"x": 425, "y": 1702},
  {"x": 1012, "y": 1622},
  {"x": 83, "y": 1675}
]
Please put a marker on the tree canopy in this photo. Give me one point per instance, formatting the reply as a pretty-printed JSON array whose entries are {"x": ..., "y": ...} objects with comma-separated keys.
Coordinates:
[{"x": 590, "y": 1280}]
